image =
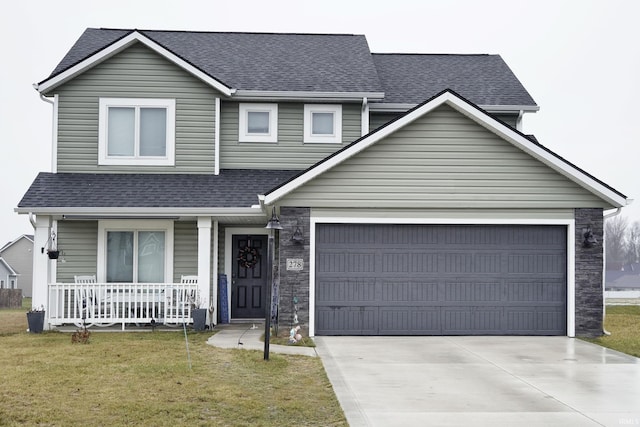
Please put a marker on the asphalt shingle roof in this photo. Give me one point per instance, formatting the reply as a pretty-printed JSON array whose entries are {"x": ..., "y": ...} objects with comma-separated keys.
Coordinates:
[
  {"x": 482, "y": 79},
  {"x": 322, "y": 63},
  {"x": 257, "y": 61},
  {"x": 232, "y": 188}
]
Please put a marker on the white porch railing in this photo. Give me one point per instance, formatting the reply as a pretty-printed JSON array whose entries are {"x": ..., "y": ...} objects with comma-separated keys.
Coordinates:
[{"x": 106, "y": 304}]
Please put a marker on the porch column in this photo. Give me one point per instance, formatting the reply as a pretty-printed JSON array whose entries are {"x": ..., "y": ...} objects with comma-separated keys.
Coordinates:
[
  {"x": 41, "y": 264},
  {"x": 204, "y": 260}
]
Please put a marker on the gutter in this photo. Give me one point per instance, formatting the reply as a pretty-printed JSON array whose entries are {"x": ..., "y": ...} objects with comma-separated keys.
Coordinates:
[
  {"x": 390, "y": 107},
  {"x": 267, "y": 95}
]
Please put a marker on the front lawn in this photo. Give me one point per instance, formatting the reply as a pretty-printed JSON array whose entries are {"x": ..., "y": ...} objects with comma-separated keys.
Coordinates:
[
  {"x": 144, "y": 379},
  {"x": 623, "y": 321}
]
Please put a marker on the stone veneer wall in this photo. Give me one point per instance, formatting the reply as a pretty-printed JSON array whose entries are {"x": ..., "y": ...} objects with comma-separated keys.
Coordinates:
[
  {"x": 588, "y": 275},
  {"x": 294, "y": 285}
]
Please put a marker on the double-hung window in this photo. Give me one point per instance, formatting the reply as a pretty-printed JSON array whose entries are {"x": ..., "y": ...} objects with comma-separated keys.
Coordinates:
[
  {"x": 136, "y": 131},
  {"x": 135, "y": 252},
  {"x": 323, "y": 123},
  {"x": 258, "y": 123}
]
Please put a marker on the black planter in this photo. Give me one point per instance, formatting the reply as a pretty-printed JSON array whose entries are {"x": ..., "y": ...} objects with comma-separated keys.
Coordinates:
[
  {"x": 199, "y": 318},
  {"x": 53, "y": 254},
  {"x": 36, "y": 321}
]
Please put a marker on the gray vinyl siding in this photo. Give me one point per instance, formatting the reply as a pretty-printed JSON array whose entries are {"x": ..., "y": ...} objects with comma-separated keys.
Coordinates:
[
  {"x": 378, "y": 119},
  {"x": 443, "y": 160},
  {"x": 137, "y": 72},
  {"x": 289, "y": 152},
  {"x": 78, "y": 244},
  {"x": 185, "y": 249}
]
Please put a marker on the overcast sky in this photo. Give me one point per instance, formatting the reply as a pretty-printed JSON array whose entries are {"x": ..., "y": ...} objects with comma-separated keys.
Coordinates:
[{"x": 580, "y": 60}]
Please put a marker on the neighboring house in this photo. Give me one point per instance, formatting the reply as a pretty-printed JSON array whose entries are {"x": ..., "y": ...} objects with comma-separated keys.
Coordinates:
[
  {"x": 19, "y": 254},
  {"x": 8, "y": 276},
  {"x": 627, "y": 278},
  {"x": 411, "y": 203}
]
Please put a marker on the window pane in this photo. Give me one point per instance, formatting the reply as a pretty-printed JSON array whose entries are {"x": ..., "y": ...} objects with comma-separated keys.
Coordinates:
[
  {"x": 153, "y": 132},
  {"x": 120, "y": 256},
  {"x": 258, "y": 122},
  {"x": 150, "y": 256},
  {"x": 120, "y": 131},
  {"x": 322, "y": 123}
]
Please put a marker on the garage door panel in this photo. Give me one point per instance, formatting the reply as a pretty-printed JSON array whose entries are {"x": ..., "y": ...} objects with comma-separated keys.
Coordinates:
[
  {"x": 405, "y": 262},
  {"x": 410, "y": 321},
  {"x": 470, "y": 320},
  {"x": 440, "y": 279},
  {"x": 347, "y": 321},
  {"x": 408, "y": 292},
  {"x": 336, "y": 292}
]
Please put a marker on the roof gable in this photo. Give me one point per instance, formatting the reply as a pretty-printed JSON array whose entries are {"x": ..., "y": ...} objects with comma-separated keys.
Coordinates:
[
  {"x": 27, "y": 237},
  {"x": 69, "y": 69},
  {"x": 245, "y": 62},
  {"x": 477, "y": 115},
  {"x": 7, "y": 267}
]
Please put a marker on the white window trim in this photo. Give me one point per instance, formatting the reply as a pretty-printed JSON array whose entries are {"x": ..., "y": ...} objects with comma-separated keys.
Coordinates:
[
  {"x": 168, "y": 104},
  {"x": 245, "y": 109},
  {"x": 105, "y": 226},
  {"x": 336, "y": 109}
]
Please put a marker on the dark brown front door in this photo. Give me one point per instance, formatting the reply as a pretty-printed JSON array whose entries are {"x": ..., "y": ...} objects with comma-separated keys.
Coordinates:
[{"x": 249, "y": 276}]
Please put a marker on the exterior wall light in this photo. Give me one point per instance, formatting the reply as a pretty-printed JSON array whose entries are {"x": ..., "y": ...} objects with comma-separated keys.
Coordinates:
[{"x": 589, "y": 238}]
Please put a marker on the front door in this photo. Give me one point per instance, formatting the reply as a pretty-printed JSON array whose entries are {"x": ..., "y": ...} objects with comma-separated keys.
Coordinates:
[{"x": 249, "y": 276}]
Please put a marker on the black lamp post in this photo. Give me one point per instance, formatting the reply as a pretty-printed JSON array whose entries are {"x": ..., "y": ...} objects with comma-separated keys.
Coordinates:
[{"x": 273, "y": 224}]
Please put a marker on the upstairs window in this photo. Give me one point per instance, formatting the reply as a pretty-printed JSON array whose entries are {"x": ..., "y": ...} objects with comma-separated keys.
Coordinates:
[
  {"x": 136, "y": 131},
  {"x": 258, "y": 123},
  {"x": 323, "y": 123}
]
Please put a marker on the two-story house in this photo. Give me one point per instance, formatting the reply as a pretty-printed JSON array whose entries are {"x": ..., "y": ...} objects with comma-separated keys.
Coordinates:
[{"x": 410, "y": 201}]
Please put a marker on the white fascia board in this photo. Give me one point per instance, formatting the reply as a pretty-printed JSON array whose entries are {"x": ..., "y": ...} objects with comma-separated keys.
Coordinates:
[
  {"x": 474, "y": 114},
  {"x": 272, "y": 95},
  {"x": 398, "y": 107},
  {"x": 119, "y": 46},
  {"x": 142, "y": 212}
]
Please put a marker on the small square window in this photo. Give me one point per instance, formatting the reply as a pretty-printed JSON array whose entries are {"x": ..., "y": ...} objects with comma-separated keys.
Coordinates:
[
  {"x": 258, "y": 123},
  {"x": 323, "y": 123}
]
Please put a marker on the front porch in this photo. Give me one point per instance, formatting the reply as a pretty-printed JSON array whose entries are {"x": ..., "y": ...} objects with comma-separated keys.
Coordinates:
[{"x": 109, "y": 304}]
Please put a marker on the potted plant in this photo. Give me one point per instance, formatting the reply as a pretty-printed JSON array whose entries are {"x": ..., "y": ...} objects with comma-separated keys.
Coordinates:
[
  {"x": 198, "y": 314},
  {"x": 53, "y": 253},
  {"x": 35, "y": 319}
]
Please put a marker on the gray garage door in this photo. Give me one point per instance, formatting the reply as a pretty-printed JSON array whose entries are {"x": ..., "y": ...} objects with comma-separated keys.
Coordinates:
[{"x": 440, "y": 280}]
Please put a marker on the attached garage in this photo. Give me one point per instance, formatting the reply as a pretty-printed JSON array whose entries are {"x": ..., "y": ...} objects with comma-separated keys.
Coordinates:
[{"x": 389, "y": 279}]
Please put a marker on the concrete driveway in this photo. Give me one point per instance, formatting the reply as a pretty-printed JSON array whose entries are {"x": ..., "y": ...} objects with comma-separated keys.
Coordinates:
[{"x": 481, "y": 381}]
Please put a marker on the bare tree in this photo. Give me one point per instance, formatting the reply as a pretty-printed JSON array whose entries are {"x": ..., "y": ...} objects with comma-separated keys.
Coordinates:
[
  {"x": 615, "y": 242},
  {"x": 633, "y": 243}
]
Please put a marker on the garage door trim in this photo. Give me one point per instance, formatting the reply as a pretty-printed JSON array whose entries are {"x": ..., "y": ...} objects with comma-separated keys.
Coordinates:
[{"x": 569, "y": 223}]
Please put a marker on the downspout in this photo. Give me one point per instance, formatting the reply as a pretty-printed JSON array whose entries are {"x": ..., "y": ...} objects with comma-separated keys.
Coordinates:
[
  {"x": 604, "y": 266},
  {"x": 519, "y": 120},
  {"x": 54, "y": 127},
  {"x": 364, "y": 120}
]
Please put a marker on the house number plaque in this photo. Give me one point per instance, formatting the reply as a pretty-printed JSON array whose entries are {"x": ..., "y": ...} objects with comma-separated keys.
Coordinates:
[{"x": 295, "y": 264}]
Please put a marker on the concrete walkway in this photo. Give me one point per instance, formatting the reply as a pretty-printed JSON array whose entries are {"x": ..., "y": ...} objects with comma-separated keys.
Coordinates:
[
  {"x": 247, "y": 336},
  {"x": 481, "y": 381}
]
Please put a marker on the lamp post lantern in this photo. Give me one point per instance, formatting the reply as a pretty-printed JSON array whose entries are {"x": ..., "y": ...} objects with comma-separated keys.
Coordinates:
[{"x": 273, "y": 224}]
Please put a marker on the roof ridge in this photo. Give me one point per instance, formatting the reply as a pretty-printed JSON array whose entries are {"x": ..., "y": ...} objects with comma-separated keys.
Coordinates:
[{"x": 277, "y": 33}]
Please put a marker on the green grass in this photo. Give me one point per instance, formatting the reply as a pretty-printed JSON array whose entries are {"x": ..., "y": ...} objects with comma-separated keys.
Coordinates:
[
  {"x": 144, "y": 379},
  {"x": 623, "y": 321}
]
